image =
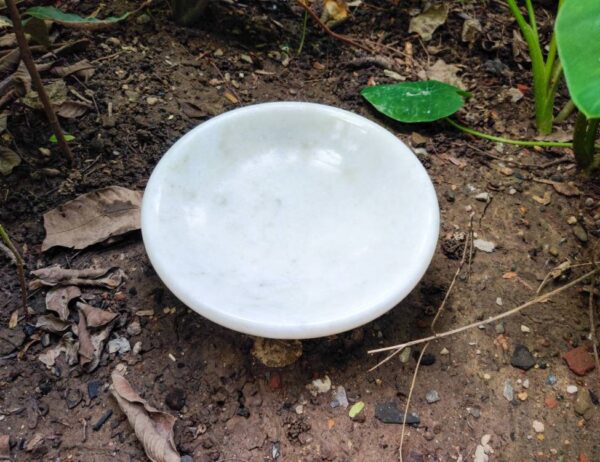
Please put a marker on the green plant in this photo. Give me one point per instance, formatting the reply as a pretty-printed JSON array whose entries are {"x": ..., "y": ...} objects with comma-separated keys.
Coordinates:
[
  {"x": 580, "y": 55},
  {"x": 546, "y": 72}
]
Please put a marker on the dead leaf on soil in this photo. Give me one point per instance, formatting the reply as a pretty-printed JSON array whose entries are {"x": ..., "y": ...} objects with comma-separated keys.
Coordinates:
[
  {"x": 14, "y": 319},
  {"x": 276, "y": 353},
  {"x": 152, "y": 427},
  {"x": 5, "y": 22},
  {"x": 21, "y": 80},
  {"x": 427, "y": 22},
  {"x": 96, "y": 317},
  {"x": 471, "y": 30},
  {"x": 10, "y": 61},
  {"x": 92, "y": 218},
  {"x": 543, "y": 200},
  {"x": 72, "y": 109},
  {"x": 8, "y": 41},
  {"x": 9, "y": 159},
  {"x": 192, "y": 110},
  {"x": 67, "y": 345},
  {"x": 34, "y": 442},
  {"x": 58, "y": 300},
  {"x": 83, "y": 69},
  {"x": 57, "y": 92},
  {"x": 334, "y": 12},
  {"x": 567, "y": 189},
  {"x": 5, "y": 447},
  {"x": 443, "y": 72},
  {"x": 86, "y": 349},
  {"x": 55, "y": 275},
  {"x": 51, "y": 323}
]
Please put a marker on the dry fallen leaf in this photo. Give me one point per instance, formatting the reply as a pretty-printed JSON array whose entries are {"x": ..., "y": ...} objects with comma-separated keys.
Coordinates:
[
  {"x": 92, "y": 218},
  {"x": 95, "y": 317},
  {"x": 58, "y": 299},
  {"x": 543, "y": 200},
  {"x": 55, "y": 275},
  {"x": 14, "y": 319},
  {"x": 276, "y": 353},
  {"x": 427, "y": 22},
  {"x": 567, "y": 189},
  {"x": 9, "y": 159},
  {"x": 471, "y": 30},
  {"x": 443, "y": 72},
  {"x": 67, "y": 345},
  {"x": 72, "y": 109},
  {"x": 86, "y": 349},
  {"x": 51, "y": 323},
  {"x": 57, "y": 92},
  {"x": 334, "y": 12},
  {"x": 83, "y": 69},
  {"x": 153, "y": 428}
]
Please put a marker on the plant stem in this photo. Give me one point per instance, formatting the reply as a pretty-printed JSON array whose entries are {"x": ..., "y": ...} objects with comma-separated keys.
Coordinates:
[
  {"x": 565, "y": 112},
  {"x": 470, "y": 131},
  {"x": 36, "y": 79},
  {"x": 20, "y": 269},
  {"x": 584, "y": 136},
  {"x": 304, "y": 26}
]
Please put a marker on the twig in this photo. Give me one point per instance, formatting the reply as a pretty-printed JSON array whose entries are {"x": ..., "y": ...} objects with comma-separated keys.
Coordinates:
[
  {"x": 437, "y": 315},
  {"x": 20, "y": 269},
  {"x": 36, "y": 79},
  {"x": 335, "y": 35},
  {"x": 552, "y": 163},
  {"x": 534, "y": 301}
]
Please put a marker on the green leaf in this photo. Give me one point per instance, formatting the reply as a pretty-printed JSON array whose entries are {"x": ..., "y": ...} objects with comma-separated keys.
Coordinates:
[
  {"x": 49, "y": 13},
  {"x": 423, "y": 101},
  {"x": 68, "y": 137},
  {"x": 356, "y": 409},
  {"x": 578, "y": 40}
]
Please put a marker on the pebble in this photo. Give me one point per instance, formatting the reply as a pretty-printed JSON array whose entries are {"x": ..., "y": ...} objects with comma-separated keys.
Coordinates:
[
  {"x": 102, "y": 420},
  {"x": 522, "y": 396},
  {"x": 432, "y": 396},
  {"x": 579, "y": 360},
  {"x": 538, "y": 426},
  {"x": 299, "y": 409},
  {"x": 583, "y": 402},
  {"x": 512, "y": 191},
  {"x": 483, "y": 197},
  {"x": 119, "y": 345},
  {"x": 444, "y": 351},
  {"x": 450, "y": 197},
  {"x": 134, "y": 328},
  {"x": 551, "y": 379},
  {"x": 405, "y": 355},
  {"x": 483, "y": 449},
  {"x": 151, "y": 100},
  {"x": 572, "y": 389},
  {"x": 550, "y": 402},
  {"x": 137, "y": 348},
  {"x": 500, "y": 328},
  {"x": 389, "y": 413},
  {"x": 340, "y": 398},
  {"x": 522, "y": 358},
  {"x": 526, "y": 383},
  {"x": 319, "y": 386},
  {"x": 143, "y": 19},
  {"x": 484, "y": 246},
  {"x": 572, "y": 220},
  {"x": 589, "y": 202},
  {"x": 475, "y": 412},
  {"x": 508, "y": 391},
  {"x": 580, "y": 233},
  {"x": 525, "y": 329},
  {"x": 93, "y": 388},
  {"x": 246, "y": 58},
  {"x": 428, "y": 436},
  {"x": 499, "y": 301},
  {"x": 175, "y": 399},
  {"x": 218, "y": 53}
]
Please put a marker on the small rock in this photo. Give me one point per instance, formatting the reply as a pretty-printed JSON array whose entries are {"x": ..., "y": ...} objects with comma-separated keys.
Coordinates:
[
  {"x": 572, "y": 220},
  {"x": 114, "y": 41},
  {"x": 551, "y": 379},
  {"x": 499, "y": 301},
  {"x": 512, "y": 191},
  {"x": 119, "y": 345},
  {"x": 579, "y": 360},
  {"x": 522, "y": 358},
  {"x": 475, "y": 412},
  {"x": 393, "y": 75},
  {"x": 538, "y": 426},
  {"x": 319, "y": 386},
  {"x": 340, "y": 398},
  {"x": 580, "y": 233},
  {"x": 299, "y": 409},
  {"x": 483, "y": 197},
  {"x": 526, "y": 383},
  {"x": 151, "y": 100},
  {"x": 444, "y": 352},
  {"x": 416, "y": 139},
  {"x": 506, "y": 171},
  {"x": 553, "y": 250},
  {"x": 508, "y": 391},
  {"x": 550, "y": 402},
  {"x": 405, "y": 355},
  {"x": 93, "y": 388},
  {"x": 572, "y": 389},
  {"x": 137, "y": 348},
  {"x": 583, "y": 402},
  {"x": 589, "y": 202},
  {"x": 134, "y": 328},
  {"x": 450, "y": 197},
  {"x": 432, "y": 396},
  {"x": 522, "y": 396},
  {"x": 484, "y": 246},
  {"x": 218, "y": 53},
  {"x": 389, "y": 413},
  {"x": 73, "y": 397},
  {"x": 525, "y": 329},
  {"x": 500, "y": 328},
  {"x": 428, "y": 436},
  {"x": 175, "y": 399},
  {"x": 246, "y": 58},
  {"x": 143, "y": 19}
]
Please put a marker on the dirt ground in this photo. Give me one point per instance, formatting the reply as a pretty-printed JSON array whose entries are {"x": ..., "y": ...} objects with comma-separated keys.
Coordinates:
[{"x": 160, "y": 80}]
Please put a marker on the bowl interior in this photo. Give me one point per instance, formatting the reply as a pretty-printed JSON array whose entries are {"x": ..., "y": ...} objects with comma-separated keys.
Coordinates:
[{"x": 290, "y": 220}]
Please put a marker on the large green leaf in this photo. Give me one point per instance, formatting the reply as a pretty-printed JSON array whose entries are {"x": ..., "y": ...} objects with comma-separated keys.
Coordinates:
[
  {"x": 578, "y": 40},
  {"x": 423, "y": 101},
  {"x": 49, "y": 13}
]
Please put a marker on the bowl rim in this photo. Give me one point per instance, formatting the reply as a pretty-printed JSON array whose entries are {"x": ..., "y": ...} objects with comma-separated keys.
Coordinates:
[{"x": 306, "y": 330}]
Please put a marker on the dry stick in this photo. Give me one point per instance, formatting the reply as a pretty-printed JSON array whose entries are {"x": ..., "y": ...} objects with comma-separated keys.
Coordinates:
[
  {"x": 437, "y": 315},
  {"x": 534, "y": 301},
  {"x": 20, "y": 269},
  {"x": 36, "y": 79},
  {"x": 322, "y": 25}
]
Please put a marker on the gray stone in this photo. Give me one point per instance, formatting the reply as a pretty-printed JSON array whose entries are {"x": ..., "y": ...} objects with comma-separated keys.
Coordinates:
[
  {"x": 389, "y": 413},
  {"x": 432, "y": 396},
  {"x": 508, "y": 391},
  {"x": 522, "y": 358},
  {"x": 500, "y": 328},
  {"x": 484, "y": 246},
  {"x": 483, "y": 197},
  {"x": 583, "y": 401},
  {"x": 580, "y": 233}
]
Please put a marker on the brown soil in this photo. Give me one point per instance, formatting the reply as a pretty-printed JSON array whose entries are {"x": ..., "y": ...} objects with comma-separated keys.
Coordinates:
[{"x": 236, "y": 409}]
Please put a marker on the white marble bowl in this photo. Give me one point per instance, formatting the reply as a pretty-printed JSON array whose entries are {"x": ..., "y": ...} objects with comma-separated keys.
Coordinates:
[{"x": 290, "y": 220}]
